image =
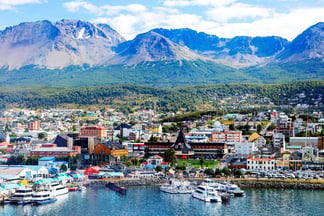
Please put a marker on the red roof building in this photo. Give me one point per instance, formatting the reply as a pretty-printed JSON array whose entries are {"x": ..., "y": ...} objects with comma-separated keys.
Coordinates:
[{"x": 92, "y": 170}]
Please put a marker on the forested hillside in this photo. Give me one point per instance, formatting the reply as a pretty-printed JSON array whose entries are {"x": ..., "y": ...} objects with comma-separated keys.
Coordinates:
[{"x": 202, "y": 97}]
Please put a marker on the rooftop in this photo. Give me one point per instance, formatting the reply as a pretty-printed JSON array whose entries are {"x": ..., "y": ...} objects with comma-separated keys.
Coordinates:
[{"x": 46, "y": 159}]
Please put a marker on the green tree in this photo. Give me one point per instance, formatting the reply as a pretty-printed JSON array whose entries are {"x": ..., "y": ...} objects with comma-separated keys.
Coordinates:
[
  {"x": 158, "y": 168},
  {"x": 259, "y": 128},
  {"x": 63, "y": 168},
  {"x": 226, "y": 171},
  {"x": 134, "y": 161},
  {"x": 272, "y": 127},
  {"x": 238, "y": 173},
  {"x": 201, "y": 162},
  {"x": 209, "y": 171},
  {"x": 170, "y": 156},
  {"x": 218, "y": 172},
  {"x": 123, "y": 158},
  {"x": 41, "y": 135}
]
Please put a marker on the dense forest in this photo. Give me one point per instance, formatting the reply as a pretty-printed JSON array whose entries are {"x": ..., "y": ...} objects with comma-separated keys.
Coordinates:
[{"x": 192, "y": 98}]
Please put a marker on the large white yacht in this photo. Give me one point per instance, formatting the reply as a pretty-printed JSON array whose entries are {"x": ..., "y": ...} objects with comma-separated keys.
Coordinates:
[
  {"x": 22, "y": 196},
  {"x": 41, "y": 194},
  {"x": 58, "y": 189},
  {"x": 207, "y": 194}
]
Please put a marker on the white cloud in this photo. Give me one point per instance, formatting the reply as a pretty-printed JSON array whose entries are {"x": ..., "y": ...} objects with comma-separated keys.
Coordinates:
[
  {"x": 238, "y": 11},
  {"x": 184, "y": 3},
  {"x": 109, "y": 10},
  {"x": 130, "y": 20},
  {"x": 284, "y": 25},
  {"x": 75, "y": 6},
  {"x": 10, "y": 4}
]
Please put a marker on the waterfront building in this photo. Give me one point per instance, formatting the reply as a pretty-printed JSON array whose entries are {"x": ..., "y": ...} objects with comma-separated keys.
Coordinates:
[
  {"x": 92, "y": 170},
  {"x": 283, "y": 162},
  {"x": 261, "y": 163},
  {"x": 154, "y": 161},
  {"x": 97, "y": 131},
  {"x": 295, "y": 160},
  {"x": 237, "y": 163},
  {"x": 185, "y": 149},
  {"x": 11, "y": 173}
]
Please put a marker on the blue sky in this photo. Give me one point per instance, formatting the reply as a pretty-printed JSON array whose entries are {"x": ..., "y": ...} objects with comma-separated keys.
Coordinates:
[{"x": 224, "y": 18}]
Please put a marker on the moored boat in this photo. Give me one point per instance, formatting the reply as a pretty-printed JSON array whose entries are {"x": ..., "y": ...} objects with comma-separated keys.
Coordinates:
[
  {"x": 82, "y": 188},
  {"x": 74, "y": 188},
  {"x": 206, "y": 194},
  {"x": 177, "y": 187},
  {"x": 58, "y": 189},
  {"x": 22, "y": 196},
  {"x": 41, "y": 194}
]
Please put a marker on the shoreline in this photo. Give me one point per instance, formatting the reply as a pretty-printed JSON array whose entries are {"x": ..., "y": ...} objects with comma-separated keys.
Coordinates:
[{"x": 242, "y": 183}]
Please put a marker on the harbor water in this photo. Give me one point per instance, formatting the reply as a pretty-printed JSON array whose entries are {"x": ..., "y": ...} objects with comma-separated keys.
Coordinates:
[{"x": 150, "y": 201}]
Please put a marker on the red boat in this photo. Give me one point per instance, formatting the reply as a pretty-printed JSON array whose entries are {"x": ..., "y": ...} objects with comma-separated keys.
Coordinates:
[{"x": 74, "y": 189}]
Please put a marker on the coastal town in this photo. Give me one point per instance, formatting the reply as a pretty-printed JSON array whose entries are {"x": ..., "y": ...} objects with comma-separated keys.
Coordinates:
[{"x": 72, "y": 147}]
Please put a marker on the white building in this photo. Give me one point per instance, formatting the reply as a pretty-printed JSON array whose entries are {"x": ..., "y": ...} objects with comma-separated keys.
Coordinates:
[
  {"x": 278, "y": 140},
  {"x": 245, "y": 148},
  {"x": 265, "y": 164}
]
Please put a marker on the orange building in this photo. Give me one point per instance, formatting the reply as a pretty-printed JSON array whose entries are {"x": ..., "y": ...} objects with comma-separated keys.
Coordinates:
[
  {"x": 97, "y": 131},
  {"x": 110, "y": 150}
]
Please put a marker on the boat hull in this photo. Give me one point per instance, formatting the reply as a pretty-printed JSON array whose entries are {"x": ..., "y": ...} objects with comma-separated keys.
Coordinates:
[{"x": 44, "y": 202}]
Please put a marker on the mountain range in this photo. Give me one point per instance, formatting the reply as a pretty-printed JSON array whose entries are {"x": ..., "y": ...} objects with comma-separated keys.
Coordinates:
[{"x": 75, "y": 52}]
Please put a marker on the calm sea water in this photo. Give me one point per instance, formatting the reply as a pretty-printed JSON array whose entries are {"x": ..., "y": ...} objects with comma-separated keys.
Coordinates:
[{"x": 150, "y": 201}]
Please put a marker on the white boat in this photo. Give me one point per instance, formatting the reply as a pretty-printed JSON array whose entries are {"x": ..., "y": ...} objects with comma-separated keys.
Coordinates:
[
  {"x": 22, "y": 196},
  {"x": 177, "y": 187},
  {"x": 41, "y": 194},
  {"x": 82, "y": 188},
  {"x": 207, "y": 194},
  {"x": 211, "y": 183},
  {"x": 57, "y": 189},
  {"x": 233, "y": 189},
  {"x": 168, "y": 189}
]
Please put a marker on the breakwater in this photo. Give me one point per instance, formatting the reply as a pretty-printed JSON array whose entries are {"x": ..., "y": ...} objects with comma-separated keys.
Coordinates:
[
  {"x": 242, "y": 183},
  {"x": 279, "y": 184},
  {"x": 126, "y": 182}
]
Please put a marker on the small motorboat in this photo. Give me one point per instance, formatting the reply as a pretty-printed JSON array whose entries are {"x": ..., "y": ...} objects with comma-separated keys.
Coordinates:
[
  {"x": 73, "y": 189},
  {"x": 82, "y": 188},
  {"x": 225, "y": 197}
]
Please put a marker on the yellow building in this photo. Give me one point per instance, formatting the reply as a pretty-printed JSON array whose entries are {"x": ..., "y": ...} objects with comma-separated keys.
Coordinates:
[
  {"x": 284, "y": 161},
  {"x": 155, "y": 128},
  {"x": 253, "y": 137}
]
